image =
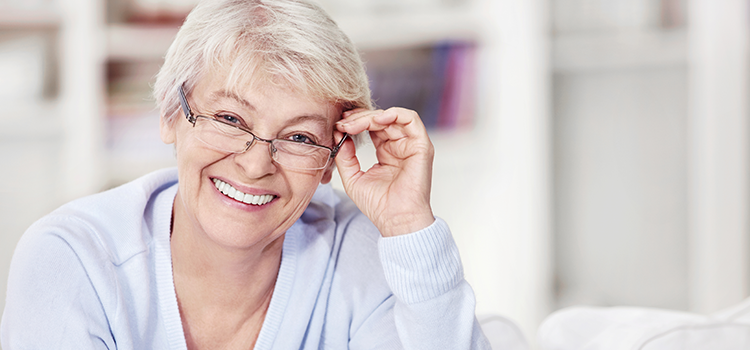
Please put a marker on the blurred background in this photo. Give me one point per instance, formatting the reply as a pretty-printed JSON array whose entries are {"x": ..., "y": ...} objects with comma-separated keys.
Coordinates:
[{"x": 588, "y": 151}]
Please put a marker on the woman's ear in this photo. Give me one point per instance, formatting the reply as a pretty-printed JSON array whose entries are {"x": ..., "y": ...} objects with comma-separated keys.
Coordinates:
[
  {"x": 167, "y": 130},
  {"x": 328, "y": 173}
]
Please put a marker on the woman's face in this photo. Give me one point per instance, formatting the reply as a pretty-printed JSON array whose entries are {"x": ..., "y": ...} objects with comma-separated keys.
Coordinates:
[{"x": 270, "y": 112}]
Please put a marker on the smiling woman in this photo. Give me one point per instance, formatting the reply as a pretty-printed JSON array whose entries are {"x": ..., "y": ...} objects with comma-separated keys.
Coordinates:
[{"x": 245, "y": 245}]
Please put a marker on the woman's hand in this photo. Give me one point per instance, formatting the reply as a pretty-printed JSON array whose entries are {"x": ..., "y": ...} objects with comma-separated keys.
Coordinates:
[{"x": 395, "y": 192}]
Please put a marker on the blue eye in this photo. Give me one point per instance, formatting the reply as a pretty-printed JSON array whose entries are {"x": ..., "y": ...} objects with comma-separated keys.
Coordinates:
[
  {"x": 301, "y": 139},
  {"x": 229, "y": 119}
]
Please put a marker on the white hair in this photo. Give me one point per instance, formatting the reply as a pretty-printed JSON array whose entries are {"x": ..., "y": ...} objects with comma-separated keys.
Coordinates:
[{"x": 287, "y": 42}]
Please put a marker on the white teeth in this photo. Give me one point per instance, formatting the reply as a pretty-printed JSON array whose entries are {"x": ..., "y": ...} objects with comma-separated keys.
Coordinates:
[{"x": 237, "y": 195}]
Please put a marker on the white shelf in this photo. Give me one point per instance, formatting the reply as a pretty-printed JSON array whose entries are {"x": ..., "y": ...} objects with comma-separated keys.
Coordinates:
[
  {"x": 139, "y": 42},
  {"x": 30, "y": 121},
  {"x": 619, "y": 49},
  {"x": 11, "y": 17},
  {"x": 413, "y": 28}
]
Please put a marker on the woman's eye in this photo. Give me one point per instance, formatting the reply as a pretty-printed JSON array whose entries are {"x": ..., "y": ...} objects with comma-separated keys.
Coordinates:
[
  {"x": 229, "y": 119},
  {"x": 301, "y": 139}
]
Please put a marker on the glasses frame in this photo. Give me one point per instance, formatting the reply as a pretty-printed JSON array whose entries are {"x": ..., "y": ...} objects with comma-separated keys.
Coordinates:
[{"x": 192, "y": 118}]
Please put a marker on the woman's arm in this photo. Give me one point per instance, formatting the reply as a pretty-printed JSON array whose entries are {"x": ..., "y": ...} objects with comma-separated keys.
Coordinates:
[
  {"x": 51, "y": 303},
  {"x": 434, "y": 305},
  {"x": 431, "y": 305}
]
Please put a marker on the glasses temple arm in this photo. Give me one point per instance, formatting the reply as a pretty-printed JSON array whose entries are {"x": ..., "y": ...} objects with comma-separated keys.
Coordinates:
[
  {"x": 335, "y": 150},
  {"x": 185, "y": 107}
]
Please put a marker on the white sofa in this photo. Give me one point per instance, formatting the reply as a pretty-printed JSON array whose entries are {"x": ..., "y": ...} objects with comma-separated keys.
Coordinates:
[
  {"x": 502, "y": 333},
  {"x": 631, "y": 328}
]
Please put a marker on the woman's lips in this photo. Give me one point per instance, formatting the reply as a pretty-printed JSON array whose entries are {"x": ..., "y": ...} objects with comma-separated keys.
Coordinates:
[{"x": 239, "y": 196}]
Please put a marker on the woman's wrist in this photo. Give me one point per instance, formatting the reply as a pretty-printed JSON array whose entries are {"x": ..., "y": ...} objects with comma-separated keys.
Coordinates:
[{"x": 406, "y": 224}]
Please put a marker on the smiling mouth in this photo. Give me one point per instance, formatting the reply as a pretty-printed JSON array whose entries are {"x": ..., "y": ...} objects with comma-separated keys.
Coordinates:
[{"x": 239, "y": 196}]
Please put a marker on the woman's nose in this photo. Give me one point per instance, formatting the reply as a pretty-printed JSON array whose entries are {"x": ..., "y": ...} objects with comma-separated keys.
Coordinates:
[{"x": 257, "y": 160}]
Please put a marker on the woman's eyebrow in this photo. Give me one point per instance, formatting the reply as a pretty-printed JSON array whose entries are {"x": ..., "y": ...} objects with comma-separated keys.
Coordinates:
[
  {"x": 315, "y": 118},
  {"x": 323, "y": 121},
  {"x": 217, "y": 95}
]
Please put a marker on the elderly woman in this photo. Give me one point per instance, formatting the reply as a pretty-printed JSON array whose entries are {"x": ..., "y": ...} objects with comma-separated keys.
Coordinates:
[{"x": 243, "y": 245}]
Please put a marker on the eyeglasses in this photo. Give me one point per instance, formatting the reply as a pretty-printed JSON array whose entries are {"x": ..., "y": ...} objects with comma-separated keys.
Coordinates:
[{"x": 233, "y": 138}]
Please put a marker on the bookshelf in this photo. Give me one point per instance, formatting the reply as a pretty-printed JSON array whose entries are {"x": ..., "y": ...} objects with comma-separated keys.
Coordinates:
[
  {"x": 32, "y": 36},
  {"x": 104, "y": 128},
  {"x": 139, "y": 46},
  {"x": 132, "y": 42},
  {"x": 13, "y": 17}
]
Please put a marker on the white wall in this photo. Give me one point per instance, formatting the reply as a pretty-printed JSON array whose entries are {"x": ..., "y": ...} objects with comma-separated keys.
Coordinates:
[
  {"x": 620, "y": 187},
  {"x": 651, "y": 168},
  {"x": 718, "y": 153}
]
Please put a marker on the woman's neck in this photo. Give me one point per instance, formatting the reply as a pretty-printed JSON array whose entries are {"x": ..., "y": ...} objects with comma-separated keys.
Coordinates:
[{"x": 223, "y": 293}]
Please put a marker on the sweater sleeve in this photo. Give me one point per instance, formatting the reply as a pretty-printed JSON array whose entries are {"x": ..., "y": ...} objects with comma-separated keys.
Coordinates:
[
  {"x": 434, "y": 305},
  {"x": 51, "y": 302}
]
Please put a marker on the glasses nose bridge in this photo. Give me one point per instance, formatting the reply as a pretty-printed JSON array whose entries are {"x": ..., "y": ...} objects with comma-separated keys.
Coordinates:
[{"x": 252, "y": 142}]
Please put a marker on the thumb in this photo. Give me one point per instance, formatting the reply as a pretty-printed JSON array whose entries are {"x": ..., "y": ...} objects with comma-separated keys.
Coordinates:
[{"x": 347, "y": 161}]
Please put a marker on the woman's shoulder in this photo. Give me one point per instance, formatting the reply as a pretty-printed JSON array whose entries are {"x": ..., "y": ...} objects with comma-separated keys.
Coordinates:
[
  {"x": 83, "y": 264},
  {"x": 118, "y": 222}
]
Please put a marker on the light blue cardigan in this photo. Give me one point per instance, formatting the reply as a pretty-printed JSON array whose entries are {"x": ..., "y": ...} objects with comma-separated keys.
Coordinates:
[{"x": 97, "y": 273}]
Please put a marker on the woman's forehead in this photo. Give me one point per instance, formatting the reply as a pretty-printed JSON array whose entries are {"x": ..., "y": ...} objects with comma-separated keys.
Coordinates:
[
  {"x": 235, "y": 80},
  {"x": 240, "y": 72},
  {"x": 264, "y": 96}
]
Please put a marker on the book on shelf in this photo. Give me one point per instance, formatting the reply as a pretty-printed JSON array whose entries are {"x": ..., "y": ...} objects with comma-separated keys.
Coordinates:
[
  {"x": 672, "y": 13},
  {"x": 134, "y": 134},
  {"x": 132, "y": 118},
  {"x": 438, "y": 82},
  {"x": 129, "y": 82},
  {"x": 149, "y": 12}
]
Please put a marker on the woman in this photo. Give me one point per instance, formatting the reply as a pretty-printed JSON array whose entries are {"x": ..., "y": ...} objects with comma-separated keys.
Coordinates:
[{"x": 243, "y": 246}]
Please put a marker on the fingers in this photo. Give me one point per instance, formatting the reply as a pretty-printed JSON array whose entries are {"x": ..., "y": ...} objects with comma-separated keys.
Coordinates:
[
  {"x": 395, "y": 122},
  {"x": 346, "y": 160}
]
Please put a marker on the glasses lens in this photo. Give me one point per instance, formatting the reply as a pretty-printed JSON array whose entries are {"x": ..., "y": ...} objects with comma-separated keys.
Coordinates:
[
  {"x": 301, "y": 155},
  {"x": 228, "y": 138},
  {"x": 221, "y": 136}
]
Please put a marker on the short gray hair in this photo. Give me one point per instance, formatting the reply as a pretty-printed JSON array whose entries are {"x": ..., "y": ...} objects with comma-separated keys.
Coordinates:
[{"x": 288, "y": 42}]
